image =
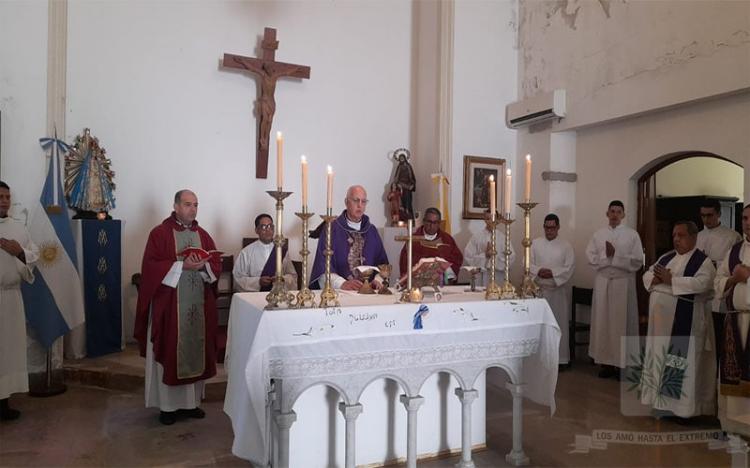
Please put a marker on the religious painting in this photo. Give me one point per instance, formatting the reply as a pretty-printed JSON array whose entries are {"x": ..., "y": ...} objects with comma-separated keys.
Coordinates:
[{"x": 477, "y": 171}]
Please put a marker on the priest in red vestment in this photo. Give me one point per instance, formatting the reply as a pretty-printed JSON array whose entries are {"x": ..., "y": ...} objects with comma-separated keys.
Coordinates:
[
  {"x": 436, "y": 243},
  {"x": 176, "y": 318}
]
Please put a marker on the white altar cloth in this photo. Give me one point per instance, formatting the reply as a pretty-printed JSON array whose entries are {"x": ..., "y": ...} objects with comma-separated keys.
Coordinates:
[{"x": 369, "y": 337}]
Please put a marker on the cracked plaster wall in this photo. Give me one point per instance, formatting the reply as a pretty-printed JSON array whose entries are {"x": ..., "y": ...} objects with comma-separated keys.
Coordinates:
[{"x": 621, "y": 57}]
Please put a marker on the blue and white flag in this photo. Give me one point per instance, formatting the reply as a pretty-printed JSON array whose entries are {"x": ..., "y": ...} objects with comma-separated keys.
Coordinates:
[{"x": 54, "y": 301}]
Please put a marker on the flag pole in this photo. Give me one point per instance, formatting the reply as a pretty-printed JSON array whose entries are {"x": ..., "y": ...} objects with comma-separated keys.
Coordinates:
[{"x": 49, "y": 388}]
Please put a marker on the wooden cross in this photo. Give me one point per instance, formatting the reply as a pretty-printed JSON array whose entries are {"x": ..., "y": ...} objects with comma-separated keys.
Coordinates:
[{"x": 269, "y": 71}]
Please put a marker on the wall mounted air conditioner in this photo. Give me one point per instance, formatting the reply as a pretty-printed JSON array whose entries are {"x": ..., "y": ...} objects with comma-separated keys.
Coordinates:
[{"x": 536, "y": 109}]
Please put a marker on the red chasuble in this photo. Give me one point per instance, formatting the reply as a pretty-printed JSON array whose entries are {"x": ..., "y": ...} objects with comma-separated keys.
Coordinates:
[
  {"x": 446, "y": 249},
  {"x": 158, "y": 258}
]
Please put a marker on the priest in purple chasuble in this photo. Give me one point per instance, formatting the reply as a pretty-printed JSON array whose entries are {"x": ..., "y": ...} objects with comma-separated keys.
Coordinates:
[
  {"x": 733, "y": 345},
  {"x": 176, "y": 319},
  {"x": 438, "y": 244},
  {"x": 679, "y": 368},
  {"x": 255, "y": 267},
  {"x": 355, "y": 242}
]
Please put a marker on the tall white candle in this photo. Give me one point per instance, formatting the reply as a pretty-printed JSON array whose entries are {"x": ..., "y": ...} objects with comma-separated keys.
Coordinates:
[
  {"x": 527, "y": 189},
  {"x": 493, "y": 196},
  {"x": 329, "y": 197},
  {"x": 279, "y": 160},
  {"x": 508, "y": 192},
  {"x": 303, "y": 160}
]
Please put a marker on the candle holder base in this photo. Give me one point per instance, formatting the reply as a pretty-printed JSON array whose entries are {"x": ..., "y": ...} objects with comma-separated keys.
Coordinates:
[
  {"x": 279, "y": 295},
  {"x": 508, "y": 291},
  {"x": 411, "y": 295},
  {"x": 493, "y": 292},
  {"x": 329, "y": 297},
  {"x": 529, "y": 288},
  {"x": 305, "y": 299}
]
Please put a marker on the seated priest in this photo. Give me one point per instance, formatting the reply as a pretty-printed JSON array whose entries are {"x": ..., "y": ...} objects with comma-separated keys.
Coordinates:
[
  {"x": 436, "y": 243},
  {"x": 255, "y": 267},
  {"x": 476, "y": 252},
  {"x": 679, "y": 368},
  {"x": 354, "y": 241}
]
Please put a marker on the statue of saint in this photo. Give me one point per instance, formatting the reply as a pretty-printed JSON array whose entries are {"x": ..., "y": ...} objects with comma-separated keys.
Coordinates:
[{"x": 405, "y": 180}]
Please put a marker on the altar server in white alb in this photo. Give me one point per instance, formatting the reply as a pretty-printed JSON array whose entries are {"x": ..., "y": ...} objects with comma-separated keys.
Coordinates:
[
  {"x": 680, "y": 284},
  {"x": 17, "y": 257},
  {"x": 615, "y": 253},
  {"x": 255, "y": 267},
  {"x": 715, "y": 239},
  {"x": 731, "y": 286},
  {"x": 552, "y": 264}
]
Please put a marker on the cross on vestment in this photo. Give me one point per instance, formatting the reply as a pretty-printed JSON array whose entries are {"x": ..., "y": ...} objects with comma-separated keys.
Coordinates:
[{"x": 269, "y": 71}]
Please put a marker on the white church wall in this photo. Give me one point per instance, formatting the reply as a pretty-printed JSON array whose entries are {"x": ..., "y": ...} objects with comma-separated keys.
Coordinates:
[
  {"x": 23, "y": 100},
  {"x": 485, "y": 80},
  {"x": 610, "y": 158},
  {"x": 619, "y": 58},
  {"x": 644, "y": 80},
  {"x": 145, "y": 77},
  {"x": 688, "y": 177}
]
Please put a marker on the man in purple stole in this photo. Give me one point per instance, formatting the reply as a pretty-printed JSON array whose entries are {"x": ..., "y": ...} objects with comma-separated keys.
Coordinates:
[
  {"x": 255, "y": 266},
  {"x": 679, "y": 368},
  {"x": 733, "y": 346},
  {"x": 355, "y": 242}
]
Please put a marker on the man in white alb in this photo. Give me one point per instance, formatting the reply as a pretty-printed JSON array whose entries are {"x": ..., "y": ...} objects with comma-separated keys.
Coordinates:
[
  {"x": 615, "y": 253},
  {"x": 679, "y": 373},
  {"x": 552, "y": 264},
  {"x": 715, "y": 240},
  {"x": 255, "y": 267},
  {"x": 476, "y": 250},
  {"x": 731, "y": 286},
  {"x": 17, "y": 257}
]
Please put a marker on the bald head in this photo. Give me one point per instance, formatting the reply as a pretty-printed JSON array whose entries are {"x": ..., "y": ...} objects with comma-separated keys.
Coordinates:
[
  {"x": 185, "y": 206},
  {"x": 356, "y": 202}
]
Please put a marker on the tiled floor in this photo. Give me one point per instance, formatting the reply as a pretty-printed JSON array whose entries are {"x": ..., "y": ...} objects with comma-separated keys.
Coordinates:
[{"x": 94, "y": 426}]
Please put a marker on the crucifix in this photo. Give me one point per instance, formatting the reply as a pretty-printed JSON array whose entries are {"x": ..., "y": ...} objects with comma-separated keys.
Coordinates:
[{"x": 269, "y": 71}]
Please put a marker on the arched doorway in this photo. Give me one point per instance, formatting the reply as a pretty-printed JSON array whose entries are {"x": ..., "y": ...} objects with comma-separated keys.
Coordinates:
[
  {"x": 696, "y": 176},
  {"x": 654, "y": 198}
]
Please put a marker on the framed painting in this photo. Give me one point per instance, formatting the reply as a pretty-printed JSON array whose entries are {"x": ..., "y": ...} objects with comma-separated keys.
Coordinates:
[{"x": 477, "y": 170}]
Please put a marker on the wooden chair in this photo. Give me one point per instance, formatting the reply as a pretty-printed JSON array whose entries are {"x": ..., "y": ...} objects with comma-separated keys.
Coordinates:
[{"x": 582, "y": 296}]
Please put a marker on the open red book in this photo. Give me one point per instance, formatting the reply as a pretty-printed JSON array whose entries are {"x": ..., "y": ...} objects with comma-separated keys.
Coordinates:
[{"x": 200, "y": 253}]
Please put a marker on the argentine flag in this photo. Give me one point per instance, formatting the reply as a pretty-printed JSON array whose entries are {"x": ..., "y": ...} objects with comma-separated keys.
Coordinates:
[{"x": 54, "y": 301}]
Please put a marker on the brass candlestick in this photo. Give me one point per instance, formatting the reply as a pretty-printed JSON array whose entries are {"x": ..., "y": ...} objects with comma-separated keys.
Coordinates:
[
  {"x": 492, "y": 293},
  {"x": 409, "y": 294},
  {"x": 528, "y": 288},
  {"x": 328, "y": 296},
  {"x": 305, "y": 297},
  {"x": 508, "y": 291},
  {"x": 279, "y": 294}
]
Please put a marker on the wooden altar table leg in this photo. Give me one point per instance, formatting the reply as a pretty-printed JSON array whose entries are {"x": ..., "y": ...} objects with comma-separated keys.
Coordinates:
[
  {"x": 284, "y": 421},
  {"x": 516, "y": 456},
  {"x": 466, "y": 397},
  {"x": 412, "y": 404},
  {"x": 350, "y": 413}
]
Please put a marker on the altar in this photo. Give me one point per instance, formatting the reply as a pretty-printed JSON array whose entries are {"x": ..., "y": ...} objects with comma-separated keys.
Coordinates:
[{"x": 327, "y": 366}]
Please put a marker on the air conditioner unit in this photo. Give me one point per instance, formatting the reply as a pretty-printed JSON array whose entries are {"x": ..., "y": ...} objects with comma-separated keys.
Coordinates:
[{"x": 536, "y": 109}]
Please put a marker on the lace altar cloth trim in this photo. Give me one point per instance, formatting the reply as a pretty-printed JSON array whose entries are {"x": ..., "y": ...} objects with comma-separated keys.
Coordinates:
[{"x": 392, "y": 360}]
